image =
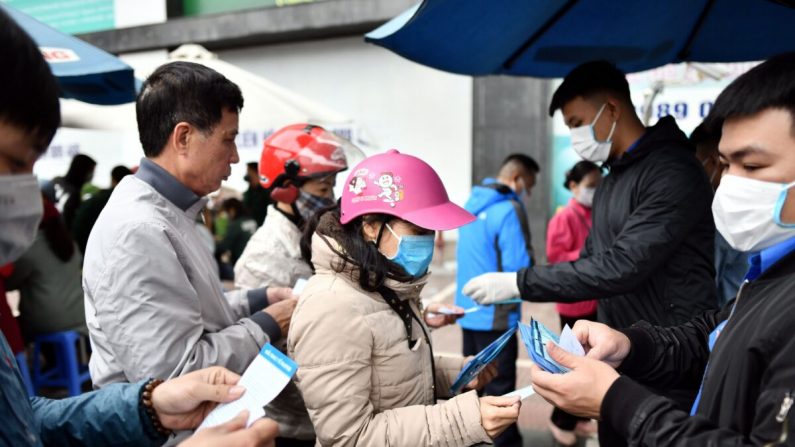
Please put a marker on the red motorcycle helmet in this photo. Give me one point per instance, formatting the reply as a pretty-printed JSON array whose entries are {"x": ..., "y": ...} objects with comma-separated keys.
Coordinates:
[{"x": 300, "y": 152}]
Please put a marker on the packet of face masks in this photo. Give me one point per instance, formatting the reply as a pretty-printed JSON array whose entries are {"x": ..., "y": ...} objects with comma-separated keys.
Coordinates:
[
  {"x": 480, "y": 361},
  {"x": 535, "y": 337}
]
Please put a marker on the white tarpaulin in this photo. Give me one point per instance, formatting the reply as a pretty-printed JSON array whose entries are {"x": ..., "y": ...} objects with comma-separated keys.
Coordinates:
[{"x": 267, "y": 107}]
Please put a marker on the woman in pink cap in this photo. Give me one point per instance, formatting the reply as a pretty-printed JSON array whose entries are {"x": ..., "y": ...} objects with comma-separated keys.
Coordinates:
[{"x": 366, "y": 367}]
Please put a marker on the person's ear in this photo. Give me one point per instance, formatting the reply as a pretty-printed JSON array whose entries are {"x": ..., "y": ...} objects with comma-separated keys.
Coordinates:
[
  {"x": 573, "y": 187},
  {"x": 613, "y": 109},
  {"x": 370, "y": 230},
  {"x": 518, "y": 183},
  {"x": 181, "y": 136}
]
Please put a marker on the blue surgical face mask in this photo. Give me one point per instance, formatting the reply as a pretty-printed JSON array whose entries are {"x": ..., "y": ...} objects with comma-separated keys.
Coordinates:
[{"x": 414, "y": 253}]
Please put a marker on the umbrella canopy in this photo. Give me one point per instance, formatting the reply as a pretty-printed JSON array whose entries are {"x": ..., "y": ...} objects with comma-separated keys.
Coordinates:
[
  {"x": 548, "y": 38},
  {"x": 84, "y": 71},
  {"x": 267, "y": 105}
]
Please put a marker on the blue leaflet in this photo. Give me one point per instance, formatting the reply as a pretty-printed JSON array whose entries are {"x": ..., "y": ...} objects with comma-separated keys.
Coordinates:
[
  {"x": 535, "y": 338},
  {"x": 484, "y": 357}
]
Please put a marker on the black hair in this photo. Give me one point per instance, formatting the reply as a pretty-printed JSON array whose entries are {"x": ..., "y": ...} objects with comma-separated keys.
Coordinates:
[
  {"x": 234, "y": 204},
  {"x": 182, "y": 92},
  {"x": 252, "y": 165},
  {"x": 590, "y": 78},
  {"x": 373, "y": 267},
  {"x": 528, "y": 164},
  {"x": 80, "y": 171},
  {"x": 28, "y": 89},
  {"x": 769, "y": 85},
  {"x": 119, "y": 172},
  {"x": 705, "y": 137},
  {"x": 704, "y": 133},
  {"x": 579, "y": 171}
]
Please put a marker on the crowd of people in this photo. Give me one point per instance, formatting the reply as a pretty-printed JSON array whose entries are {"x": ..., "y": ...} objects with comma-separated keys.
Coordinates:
[{"x": 672, "y": 262}]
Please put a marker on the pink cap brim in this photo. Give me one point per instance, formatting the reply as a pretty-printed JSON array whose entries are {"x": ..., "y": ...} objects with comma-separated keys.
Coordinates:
[{"x": 446, "y": 216}]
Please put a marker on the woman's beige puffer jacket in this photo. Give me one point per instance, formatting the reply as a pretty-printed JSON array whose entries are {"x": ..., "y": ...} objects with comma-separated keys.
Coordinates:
[{"x": 362, "y": 384}]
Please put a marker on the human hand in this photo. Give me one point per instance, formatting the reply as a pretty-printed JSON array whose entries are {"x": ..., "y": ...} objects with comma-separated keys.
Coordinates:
[
  {"x": 435, "y": 319},
  {"x": 277, "y": 294},
  {"x": 490, "y": 288},
  {"x": 234, "y": 433},
  {"x": 498, "y": 413},
  {"x": 282, "y": 313},
  {"x": 601, "y": 342},
  {"x": 579, "y": 391},
  {"x": 484, "y": 377},
  {"x": 183, "y": 403}
]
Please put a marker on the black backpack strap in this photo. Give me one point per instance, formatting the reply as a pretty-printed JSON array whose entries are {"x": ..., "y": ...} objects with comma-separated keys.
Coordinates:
[
  {"x": 523, "y": 223},
  {"x": 402, "y": 309},
  {"x": 498, "y": 251}
]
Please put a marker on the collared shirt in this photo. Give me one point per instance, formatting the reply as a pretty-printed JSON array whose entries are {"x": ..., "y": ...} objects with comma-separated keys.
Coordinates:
[
  {"x": 635, "y": 144},
  {"x": 765, "y": 259},
  {"x": 154, "y": 304},
  {"x": 760, "y": 262},
  {"x": 166, "y": 184}
]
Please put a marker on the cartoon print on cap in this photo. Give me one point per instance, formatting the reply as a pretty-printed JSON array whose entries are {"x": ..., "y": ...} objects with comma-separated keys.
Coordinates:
[
  {"x": 358, "y": 184},
  {"x": 390, "y": 191}
]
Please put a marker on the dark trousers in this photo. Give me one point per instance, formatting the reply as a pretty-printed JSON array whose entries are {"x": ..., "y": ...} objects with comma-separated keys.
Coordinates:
[
  {"x": 560, "y": 418},
  {"x": 505, "y": 382}
]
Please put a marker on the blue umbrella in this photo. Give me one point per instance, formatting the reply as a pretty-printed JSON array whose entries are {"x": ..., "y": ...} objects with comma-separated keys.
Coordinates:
[
  {"x": 547, "y": 38},
  {"x": 84, "y": 72}
]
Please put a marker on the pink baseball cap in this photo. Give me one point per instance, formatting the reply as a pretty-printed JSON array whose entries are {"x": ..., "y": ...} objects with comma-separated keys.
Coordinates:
[{"x": 403, "y": 186}]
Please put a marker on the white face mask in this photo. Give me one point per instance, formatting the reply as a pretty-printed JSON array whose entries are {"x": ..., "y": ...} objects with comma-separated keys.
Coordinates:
[
  {"x": 585, "y": 196},
  {"x": 20, "y": 213},
  {"x": 748, "y": 213},
  {"x": 584, "y": 143}
]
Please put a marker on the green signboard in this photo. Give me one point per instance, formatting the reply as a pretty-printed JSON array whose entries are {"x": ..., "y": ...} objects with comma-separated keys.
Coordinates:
[
  {"x": 69, "y": 16},
  {"x": 200, "y": 7}
]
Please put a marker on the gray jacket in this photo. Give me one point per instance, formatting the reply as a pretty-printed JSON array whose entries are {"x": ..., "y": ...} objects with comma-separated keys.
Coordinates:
[{"x": 154, "y": 303}]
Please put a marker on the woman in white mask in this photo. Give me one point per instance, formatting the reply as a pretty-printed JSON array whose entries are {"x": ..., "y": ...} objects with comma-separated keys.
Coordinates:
[{"x": 566, "y": 234}]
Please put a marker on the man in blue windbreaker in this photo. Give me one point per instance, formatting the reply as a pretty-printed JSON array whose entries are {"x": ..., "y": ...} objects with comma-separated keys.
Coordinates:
[{"x": 498, "y": 241}]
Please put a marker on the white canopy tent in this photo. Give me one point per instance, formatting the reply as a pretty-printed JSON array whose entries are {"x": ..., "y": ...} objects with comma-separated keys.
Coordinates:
[{"x": 110, "y": 133}]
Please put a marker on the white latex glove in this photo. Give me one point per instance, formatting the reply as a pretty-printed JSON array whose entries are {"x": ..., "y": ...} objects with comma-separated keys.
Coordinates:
[{"x": 490, "y": 288}]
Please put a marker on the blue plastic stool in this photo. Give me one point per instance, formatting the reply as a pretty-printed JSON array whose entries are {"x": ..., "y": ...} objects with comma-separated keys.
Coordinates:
[
  {"x": 22, "y": 362},
  {"x": 67, "y": 372}
]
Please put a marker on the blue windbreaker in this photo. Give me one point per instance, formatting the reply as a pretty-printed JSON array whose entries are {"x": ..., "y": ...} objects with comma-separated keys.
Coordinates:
[{"x": 496, "y": 230}]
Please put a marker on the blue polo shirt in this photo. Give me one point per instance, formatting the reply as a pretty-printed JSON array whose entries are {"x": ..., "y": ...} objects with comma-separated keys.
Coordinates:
[
  {"x": 763, "y": 260},
  {"x": 760, "y": 262}
]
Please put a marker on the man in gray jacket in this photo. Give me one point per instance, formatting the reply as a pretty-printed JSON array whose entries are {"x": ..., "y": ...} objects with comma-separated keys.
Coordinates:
[{"x": 154, "y": 304}]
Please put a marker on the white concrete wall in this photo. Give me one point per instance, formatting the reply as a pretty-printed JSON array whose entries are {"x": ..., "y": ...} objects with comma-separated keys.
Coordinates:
[{"x": 397, "y": 103}]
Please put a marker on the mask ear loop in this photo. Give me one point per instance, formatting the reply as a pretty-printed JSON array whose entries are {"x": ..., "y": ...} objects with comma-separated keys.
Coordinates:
[
  {"x": 389, "y": 227},
  {"x": 596, "y": 118},
  {"x": 598, "y": 114},
  {"x": 612, "y": 129},
  {"x": 377, "y": 240},
  {"x": 782, "y": 197}
]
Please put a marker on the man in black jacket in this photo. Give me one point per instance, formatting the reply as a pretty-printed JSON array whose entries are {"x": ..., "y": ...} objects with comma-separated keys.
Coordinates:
[
  {"x": 650, "y": 252},
  {"x": 745, "y": 352}
]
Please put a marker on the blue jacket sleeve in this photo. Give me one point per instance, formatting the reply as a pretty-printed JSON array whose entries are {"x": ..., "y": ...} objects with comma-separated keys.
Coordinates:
[{"x": 110, "y": 416}]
